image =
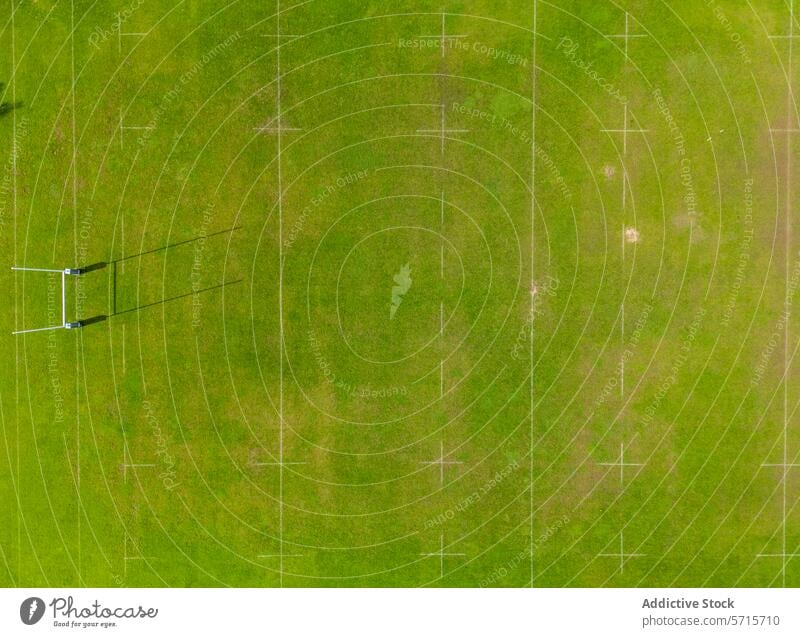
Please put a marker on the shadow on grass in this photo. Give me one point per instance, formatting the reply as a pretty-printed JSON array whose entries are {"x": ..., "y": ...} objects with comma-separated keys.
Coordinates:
[
  {"x": 7, "y": 107},
  {"x": 85, "y": 269},
  {"x": 175, "y": 298},
  {"x": 175, "y": 245},
  {"x": 95, "y": 319}
]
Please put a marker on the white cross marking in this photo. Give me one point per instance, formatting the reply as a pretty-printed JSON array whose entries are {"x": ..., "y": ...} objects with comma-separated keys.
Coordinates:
[
  {"x": 620, "y": 462},
  {"x": 123, "y": 128},
  {"x": 627, "y": 35},
  {"x": 624, "y": 130},
  {"x": 441, "y": 462},
  {"x": 441, "y": 554},
  {"x": 443, "y": 37},
  {"x": 622, "y": 555},
  {"x": 442, "y": 129}
]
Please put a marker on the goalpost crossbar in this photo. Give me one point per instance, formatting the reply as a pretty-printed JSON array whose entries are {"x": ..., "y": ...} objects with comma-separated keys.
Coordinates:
[{"x": 63, "y": 273}]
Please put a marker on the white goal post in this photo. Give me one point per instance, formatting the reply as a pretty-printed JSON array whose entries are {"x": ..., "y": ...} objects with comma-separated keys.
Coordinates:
[{"x": 68, "y": 325}]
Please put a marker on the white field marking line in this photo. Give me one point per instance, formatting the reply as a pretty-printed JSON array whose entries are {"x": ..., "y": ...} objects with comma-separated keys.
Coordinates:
[
  {"x": 19, "y": 267},
  {"x": 441, "y": 362},
  {"x": 592, "y": 490},
  {"x": 441, "y": 229},
  {"x": 787, "y": 232},
  {"x": 620, "y": 462},
  {"x": 625, "y": 130},
  {"x": 532, "y": 284},
  {"x": 622, "y": 238},
  {"x": 622, "y": 555},
  {"x": 123, "y": 348},
  {"x": 627, "y": 35},
  {"x": 279, "y": 118},
  {"x": 134, "y": 465},
  {"x": 269, "y": 128},
  {"x": 441, "y": 554},
  {"x": 128, "y": 463},
  {"x": 121, "y": 34},
  {"x": 64, "y": 282},
  {"x": 268, "y": 555},
  {"x": 779, "y": 464},
  {"x": 38, "y": 329},
  {"x": 441, "y": 302},
  {"x": 442, "y": 130},
  {"x": 439, "y": 37},
  {"x": 273, "y": 464},
  {"x": 441, "y": 462},
  {"x": 122, "y": 231},
  {"x": 122, "y": 246},
  {"x": 123, "y": 128},
  {"x": 16, "y": 302},
  {"x": 128, "y": 558}
]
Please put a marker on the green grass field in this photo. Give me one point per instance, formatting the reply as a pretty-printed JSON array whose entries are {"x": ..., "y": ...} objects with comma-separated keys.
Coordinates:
[{"x": 400, "y": 293}]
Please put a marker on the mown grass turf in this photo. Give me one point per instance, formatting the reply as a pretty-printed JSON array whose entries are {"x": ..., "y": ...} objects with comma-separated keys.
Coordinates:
[{"x": 248, "y": 411}]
